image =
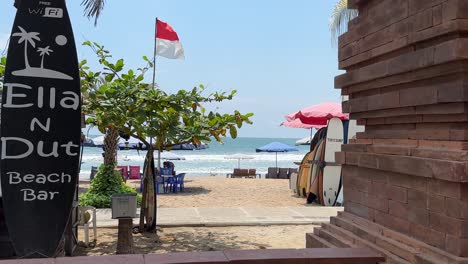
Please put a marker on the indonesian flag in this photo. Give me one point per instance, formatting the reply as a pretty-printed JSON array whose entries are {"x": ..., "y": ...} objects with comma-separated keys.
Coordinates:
[{"x": 167, "y": 42}]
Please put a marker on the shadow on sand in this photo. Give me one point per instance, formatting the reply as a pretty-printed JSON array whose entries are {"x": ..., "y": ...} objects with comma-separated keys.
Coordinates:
[{"x": 178, "y": 241}]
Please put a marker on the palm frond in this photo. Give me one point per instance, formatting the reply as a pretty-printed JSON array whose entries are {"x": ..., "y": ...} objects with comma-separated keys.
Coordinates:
[
  {"x": 93, "y": 9},
  {"x": 339, "y": 19}
]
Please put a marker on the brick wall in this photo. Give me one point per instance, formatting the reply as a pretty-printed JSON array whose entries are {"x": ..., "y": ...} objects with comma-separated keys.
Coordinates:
[{"x": 406, "y": 65}]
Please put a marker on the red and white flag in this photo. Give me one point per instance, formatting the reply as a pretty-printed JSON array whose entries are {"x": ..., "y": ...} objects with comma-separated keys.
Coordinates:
[{"x": 167, "y": 42}]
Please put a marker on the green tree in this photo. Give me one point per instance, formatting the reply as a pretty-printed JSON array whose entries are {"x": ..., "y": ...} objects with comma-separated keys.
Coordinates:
[
  {"x": 122, "y": 101},
  {"x": 339, "y": 19},
  {"x": 2, "y": 67},
  {"x": 2, "y": 71},
  {"x": 93, "y": 8}
]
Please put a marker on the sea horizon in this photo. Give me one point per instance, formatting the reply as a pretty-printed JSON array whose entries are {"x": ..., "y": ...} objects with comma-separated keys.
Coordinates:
[{"x": 210, "y": 161}]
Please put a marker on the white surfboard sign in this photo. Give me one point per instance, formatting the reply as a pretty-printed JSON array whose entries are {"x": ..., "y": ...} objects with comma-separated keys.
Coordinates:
[{"x": 332, "y": 172}]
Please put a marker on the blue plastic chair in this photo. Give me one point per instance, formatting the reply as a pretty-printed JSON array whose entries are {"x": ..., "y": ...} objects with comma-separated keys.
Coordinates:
[
  {"x": 166, "y": 171},
  {"x": 180, "y": 181},
  {"x": 170, "y": 184}
]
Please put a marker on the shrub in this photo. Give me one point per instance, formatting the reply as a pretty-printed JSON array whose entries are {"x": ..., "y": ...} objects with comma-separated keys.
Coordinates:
[{"x": 106, "y": 183}]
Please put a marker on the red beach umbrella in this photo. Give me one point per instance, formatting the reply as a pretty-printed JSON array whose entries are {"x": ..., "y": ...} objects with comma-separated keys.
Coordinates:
[
  {"x": 320, "y": 114},
  {"x": 296, "y": 123}
]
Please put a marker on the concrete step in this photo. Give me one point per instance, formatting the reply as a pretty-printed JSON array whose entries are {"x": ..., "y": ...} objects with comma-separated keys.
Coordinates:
[
  {"x": 334, "y": 239},
  {"x": 397, "y": 242},
  {"x": 359, "y": 242},
  {"x": 314, "y": 241},
  {"x": 393, "y": 246}
]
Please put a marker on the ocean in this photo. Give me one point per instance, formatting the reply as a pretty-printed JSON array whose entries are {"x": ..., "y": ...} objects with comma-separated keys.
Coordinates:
[{"x": 210, "y": 161}]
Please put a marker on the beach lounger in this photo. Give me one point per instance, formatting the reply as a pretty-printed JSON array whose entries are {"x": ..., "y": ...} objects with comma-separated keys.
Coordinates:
[
  {"x": 253, "y": 173},
  {"x": 283, "y": 173},
  {"x": 124, "y": 172},
  {"x": 243, "y": 173},
  {"x": 235, "y": 173},
  {"x": 272, "y": 173},
  {"x": 240, "y": 173},
  {"x": 134, "y": 173}
]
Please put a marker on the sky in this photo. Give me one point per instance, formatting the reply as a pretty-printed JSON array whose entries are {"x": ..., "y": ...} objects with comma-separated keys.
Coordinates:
[{"x": 277, "y": 54}]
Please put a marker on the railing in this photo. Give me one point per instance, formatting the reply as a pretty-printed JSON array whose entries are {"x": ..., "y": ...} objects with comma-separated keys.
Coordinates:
[{"x": 269, "y": 256}]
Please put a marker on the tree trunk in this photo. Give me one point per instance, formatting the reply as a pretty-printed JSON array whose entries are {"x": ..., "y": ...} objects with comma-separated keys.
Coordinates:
[
  {"x": 111, "y": 140},
  {"x": 125, "y": 237},
  {"x": 148, "y": 208}
]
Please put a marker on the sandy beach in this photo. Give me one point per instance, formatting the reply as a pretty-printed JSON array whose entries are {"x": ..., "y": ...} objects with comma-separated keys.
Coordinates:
[
  {"x": 226, "y": 192},
  {"x": 183, "y": 239},
  {"x": 214, "y": 192}
]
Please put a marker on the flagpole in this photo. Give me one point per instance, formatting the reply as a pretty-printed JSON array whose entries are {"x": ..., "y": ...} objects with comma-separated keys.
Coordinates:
[
  {"x": 154, "y": 58},
  {"x": 159, "y": 153},
  {"x": 154, "y": 79}
]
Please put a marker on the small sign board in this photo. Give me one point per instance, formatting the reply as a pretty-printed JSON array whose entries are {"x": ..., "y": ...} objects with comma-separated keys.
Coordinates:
[{"x": 124, "y": 206}]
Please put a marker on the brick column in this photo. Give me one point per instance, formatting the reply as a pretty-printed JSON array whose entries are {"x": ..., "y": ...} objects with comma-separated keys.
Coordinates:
[{"x": 406, "y": 176}]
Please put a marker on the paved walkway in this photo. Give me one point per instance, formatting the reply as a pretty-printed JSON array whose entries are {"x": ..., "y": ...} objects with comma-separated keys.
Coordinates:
[{"x": 239, "y": 216}]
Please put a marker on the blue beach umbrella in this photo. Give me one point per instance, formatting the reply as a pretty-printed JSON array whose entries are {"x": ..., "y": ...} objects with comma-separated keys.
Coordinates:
[{"x": 276, "y": 147}]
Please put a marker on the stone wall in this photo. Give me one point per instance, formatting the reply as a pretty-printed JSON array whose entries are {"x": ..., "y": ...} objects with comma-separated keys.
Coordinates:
[
  {"x": 407, "y": 83},
  {"x": 406, "y": 65}
]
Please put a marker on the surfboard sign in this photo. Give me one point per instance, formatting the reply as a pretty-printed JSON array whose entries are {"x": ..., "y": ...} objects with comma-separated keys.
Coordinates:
[
  {"x": 40, "y": 128},
  {"x": 331, "y": 180}
]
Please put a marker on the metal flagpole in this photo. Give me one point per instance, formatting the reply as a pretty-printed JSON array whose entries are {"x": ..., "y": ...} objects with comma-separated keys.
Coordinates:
[
  {"x": 151, "y": 139},
  {"x": 154, "y": 80}
]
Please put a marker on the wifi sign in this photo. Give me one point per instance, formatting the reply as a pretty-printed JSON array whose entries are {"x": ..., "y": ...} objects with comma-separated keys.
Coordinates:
[{"x": 53, "y": 12}]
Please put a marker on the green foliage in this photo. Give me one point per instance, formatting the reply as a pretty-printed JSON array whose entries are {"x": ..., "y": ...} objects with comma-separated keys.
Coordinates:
[
  {"x": 106, "y": 183},
  {"x": 118, "y": 98},
  {"x": 2, "y": 66},
  {"x": 340, "y": 18},
  {"x": 2, "y": 69}
]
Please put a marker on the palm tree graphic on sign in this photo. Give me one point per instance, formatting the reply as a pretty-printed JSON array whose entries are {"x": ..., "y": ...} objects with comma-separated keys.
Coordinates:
[
  {"x": 26, "y": 38},
  {"x": 29, "y": 38},
  {"x": 43, "y": 52}
]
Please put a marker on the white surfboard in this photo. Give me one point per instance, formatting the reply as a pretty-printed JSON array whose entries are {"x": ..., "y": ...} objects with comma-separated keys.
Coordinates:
[
  {"x": 332, "y": 172},
  {"x": 293, "y": 182},
  {"x": 353, "y": 129}
]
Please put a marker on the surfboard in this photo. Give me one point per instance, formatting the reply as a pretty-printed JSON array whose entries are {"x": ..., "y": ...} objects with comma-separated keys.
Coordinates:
[
  {"x": 311, "y": 193},
  {"x": 40, "y": 128},
  {"x": 293, "y": 182},
  {"x": 331, "y": 178},
  {"x": 310, "y": 174},
  {"x": 314, "y": 194},
  {"x": 303, "y": 174}
]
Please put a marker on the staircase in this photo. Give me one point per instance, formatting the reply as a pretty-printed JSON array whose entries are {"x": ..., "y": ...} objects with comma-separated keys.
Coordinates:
[{"x": 350, "y": 231}]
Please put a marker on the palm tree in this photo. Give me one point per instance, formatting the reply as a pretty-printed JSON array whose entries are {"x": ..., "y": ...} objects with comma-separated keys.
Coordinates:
[
  {"x": 93, "y": 8},
  {"x": 26, "y": 37},
  {"x": 339, "y": 19},
  {"x": 43, "y": 52}
]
